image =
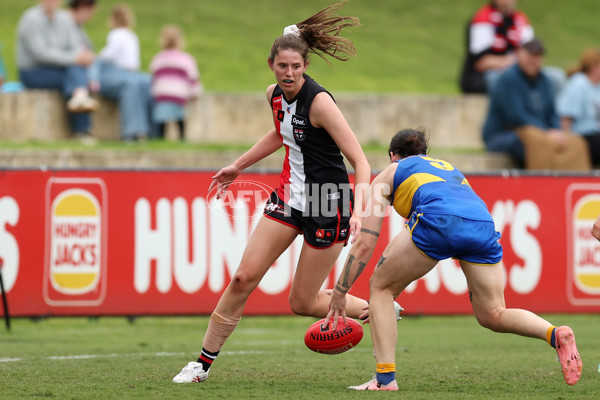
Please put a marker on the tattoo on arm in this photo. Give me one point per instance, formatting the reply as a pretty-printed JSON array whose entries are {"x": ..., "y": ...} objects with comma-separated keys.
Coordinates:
[
  {"x": 370, "y": 232},
  {"x": 345, "y": 283},
  {"x": 361, "y": 266},
  {"x": 341, "y": 289},
  {"x": 381, "y": 260}
]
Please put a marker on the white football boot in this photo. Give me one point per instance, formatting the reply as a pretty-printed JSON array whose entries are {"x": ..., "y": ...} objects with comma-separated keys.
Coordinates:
[
  {"x": 398, "y": 308},
  {"x": 191, "y": 373},
  {"x": 374, "y": 385}
]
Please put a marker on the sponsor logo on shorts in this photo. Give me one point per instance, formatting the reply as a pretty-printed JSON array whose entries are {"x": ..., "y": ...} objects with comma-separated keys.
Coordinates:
[
  {"x": 328, "y": 234},
  {"x": 274, "y": 208}
]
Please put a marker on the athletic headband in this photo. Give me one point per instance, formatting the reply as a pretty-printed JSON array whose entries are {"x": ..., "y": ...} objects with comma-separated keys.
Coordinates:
[{"x": 291, "y": 30}]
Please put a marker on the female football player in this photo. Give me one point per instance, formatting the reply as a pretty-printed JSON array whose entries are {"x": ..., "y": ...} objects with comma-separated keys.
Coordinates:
[
  {"x": 445, "y": 218},
  {"x": 313, "y": 198}
]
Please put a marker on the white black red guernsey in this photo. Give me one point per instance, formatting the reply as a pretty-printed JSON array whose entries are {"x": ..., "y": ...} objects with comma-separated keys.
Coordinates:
[{"x": 312, "y": 158}]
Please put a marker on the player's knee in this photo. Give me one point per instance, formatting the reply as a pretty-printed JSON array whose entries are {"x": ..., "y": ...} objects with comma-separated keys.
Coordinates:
[
  {"x": 490, "y": 319},
  {"x": 300, "y": 306},
  {"x": 376, "y": 284},
  {"x": 243, "y": 282}
]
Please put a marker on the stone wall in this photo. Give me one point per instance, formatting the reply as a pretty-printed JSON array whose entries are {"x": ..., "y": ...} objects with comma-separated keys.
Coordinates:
[{"x": 453, "y": 123}]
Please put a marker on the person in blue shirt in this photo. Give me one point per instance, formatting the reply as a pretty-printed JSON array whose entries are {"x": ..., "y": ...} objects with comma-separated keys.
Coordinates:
[
  {"x": 523, "y": 96},
  {"x": 445, "y": 219},
  {"x": 578, "y": 104}
]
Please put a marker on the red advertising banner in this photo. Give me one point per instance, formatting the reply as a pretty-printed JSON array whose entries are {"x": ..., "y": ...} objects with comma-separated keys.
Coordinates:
[{"x": 156, "y": 242}]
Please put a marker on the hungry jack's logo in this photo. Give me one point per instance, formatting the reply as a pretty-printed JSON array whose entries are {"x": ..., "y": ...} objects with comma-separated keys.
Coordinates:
[
  {"x": 583, "y": 276},
  {"x": 75, "y": 261}
]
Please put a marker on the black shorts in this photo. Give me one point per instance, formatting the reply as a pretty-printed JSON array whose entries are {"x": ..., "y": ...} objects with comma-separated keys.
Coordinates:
[{"x": 319, "y": 231}]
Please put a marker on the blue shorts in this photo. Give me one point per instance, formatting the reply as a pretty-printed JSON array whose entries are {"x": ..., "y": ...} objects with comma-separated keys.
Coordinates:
[{"x": 441, "y": 236}]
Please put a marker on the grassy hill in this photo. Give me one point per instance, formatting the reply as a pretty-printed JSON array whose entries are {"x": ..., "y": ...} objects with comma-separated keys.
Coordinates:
[{"x": 410, "y": 46}]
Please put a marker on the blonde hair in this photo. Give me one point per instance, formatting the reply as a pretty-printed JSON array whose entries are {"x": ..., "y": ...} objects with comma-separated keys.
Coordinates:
[
  {"x": 588, "y": 60},
  {"x": 122, "y": 16},
  {"x": 171, "y": 37}
]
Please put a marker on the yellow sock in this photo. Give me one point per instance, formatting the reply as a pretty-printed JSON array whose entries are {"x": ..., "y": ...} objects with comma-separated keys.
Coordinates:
[
  {"x": 383, "y": 368},
  {"x": 549, "y": 335}
]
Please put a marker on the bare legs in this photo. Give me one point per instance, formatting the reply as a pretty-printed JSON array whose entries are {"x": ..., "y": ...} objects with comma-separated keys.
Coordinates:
[
  {"x": 404, "y": 263},
  {"x": 268, "y": 241}
]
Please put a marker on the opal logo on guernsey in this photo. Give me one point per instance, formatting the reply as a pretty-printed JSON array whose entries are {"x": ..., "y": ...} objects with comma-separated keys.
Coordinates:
[
  {"x": 241, "y": 195},
  {"x": 299, "y": 121},
  {"x": 75, "y": 261},
  {"x": 583, "y": 280}
]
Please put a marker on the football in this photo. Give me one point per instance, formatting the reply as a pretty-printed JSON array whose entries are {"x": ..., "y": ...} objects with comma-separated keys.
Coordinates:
[{"x": 327, "y": 341}]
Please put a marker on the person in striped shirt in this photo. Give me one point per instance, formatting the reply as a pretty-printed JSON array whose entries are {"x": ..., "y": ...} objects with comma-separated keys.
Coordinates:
[{"x": 175, "y": 80}]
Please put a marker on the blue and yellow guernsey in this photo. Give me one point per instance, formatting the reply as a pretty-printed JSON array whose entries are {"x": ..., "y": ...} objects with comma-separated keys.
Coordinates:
[{"x": 425, "y": 184}]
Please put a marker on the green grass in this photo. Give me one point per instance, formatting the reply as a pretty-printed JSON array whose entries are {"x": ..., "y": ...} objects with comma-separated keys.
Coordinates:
[
  {"x": 437, "y": 358},
  {"x": 403, "y": 45}
]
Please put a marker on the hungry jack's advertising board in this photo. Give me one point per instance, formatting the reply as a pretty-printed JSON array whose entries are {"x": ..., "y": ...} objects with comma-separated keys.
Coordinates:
[{"x": 152, "y": 242}]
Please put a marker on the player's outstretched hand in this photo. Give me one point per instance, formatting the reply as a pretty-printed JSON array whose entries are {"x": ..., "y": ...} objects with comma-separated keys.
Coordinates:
[
  {"x": 337, "y": 308},
  {"x": 355, "y": 225},
  {"x": 223, "y": 179}
]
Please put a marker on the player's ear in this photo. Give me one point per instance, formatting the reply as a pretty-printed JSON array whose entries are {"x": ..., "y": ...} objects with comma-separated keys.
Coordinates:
[{"x": 270, "y": 62}]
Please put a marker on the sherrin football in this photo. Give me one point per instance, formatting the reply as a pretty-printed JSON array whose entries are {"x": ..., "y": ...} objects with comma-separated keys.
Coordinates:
[{"x": 327, "y": 341}]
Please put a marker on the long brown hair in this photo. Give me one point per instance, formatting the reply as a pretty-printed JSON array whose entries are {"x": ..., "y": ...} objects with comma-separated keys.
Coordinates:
[
  {"x": 588, "y": 60},
  {"x": 319, "y": 34}
]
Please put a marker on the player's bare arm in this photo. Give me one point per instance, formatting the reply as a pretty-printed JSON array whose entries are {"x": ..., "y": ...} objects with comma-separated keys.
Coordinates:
[
  {"x": 264, "y": 147},
  {"x": 362, "y": 250}
]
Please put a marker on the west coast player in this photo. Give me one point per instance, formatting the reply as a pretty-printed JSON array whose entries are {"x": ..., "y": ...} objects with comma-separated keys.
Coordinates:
[{"x": 445, "y": 218}]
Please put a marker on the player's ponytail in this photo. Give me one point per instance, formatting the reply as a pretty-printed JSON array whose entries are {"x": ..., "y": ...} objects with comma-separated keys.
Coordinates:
[
  {"x": 318, "y": 34},
  {"x": 408, "y": 142}
]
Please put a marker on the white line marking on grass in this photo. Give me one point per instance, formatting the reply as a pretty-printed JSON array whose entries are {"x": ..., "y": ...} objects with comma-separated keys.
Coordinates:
[{"x": 159, "y": 354}]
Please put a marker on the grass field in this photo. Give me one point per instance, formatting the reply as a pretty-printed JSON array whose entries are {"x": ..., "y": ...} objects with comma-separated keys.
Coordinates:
[
  {"x": 403, "y": 45},
  {"x": 438, "y": 358}
]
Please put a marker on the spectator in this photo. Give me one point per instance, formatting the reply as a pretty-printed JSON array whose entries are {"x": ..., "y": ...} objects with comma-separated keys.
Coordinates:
[
  {"x": 116, "y": 75},
  {"x": 175, "y": 80},
  {"x": 50, "y": 56},
  {"x": 82, "y": 11},
  {"x": 522, "y": 119},
  {"x": 493, "y": 35},
  {"x": 579, "y": 102}
]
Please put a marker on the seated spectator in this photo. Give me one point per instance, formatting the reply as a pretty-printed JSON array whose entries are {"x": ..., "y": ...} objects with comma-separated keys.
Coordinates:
[
  {"x": 578, "y": 105},
  {"x": 493, "y": 36},
  {"x": 116, "y": 75},
  {"x": 522, "y": 119},
  {"x": 50, "y": 56},
  {"x": 175, "y": 80}
]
